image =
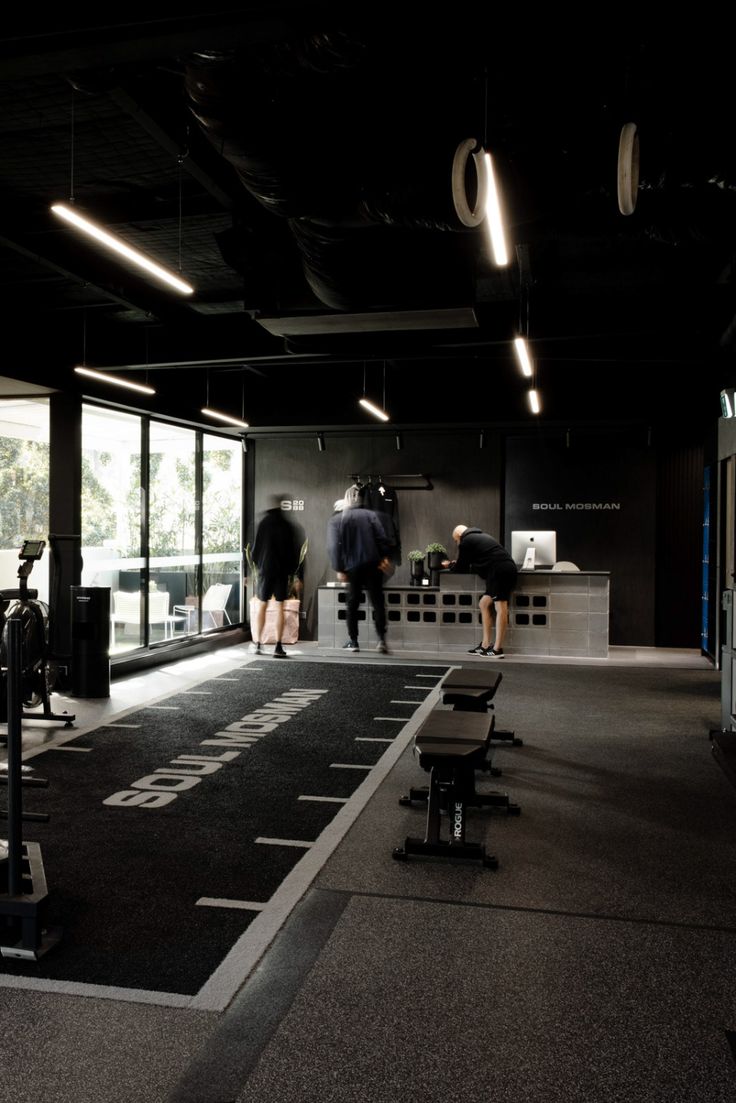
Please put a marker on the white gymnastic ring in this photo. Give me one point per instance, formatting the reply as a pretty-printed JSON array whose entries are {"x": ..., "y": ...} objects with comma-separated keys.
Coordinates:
[
  {"x": 628, "y": 168},
  {"x": 467, "y": 216}
]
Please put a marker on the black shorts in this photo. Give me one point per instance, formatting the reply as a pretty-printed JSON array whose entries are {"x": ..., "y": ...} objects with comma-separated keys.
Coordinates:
[
  {"x": 273, "y": 586},
  {"x": 501, "y": 580}
]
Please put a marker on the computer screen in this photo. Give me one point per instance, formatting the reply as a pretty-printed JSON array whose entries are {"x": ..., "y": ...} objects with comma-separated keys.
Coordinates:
[{"x": 543, "y": 542}]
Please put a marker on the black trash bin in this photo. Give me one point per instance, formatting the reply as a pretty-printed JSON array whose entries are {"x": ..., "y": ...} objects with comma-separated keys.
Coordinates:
[{"x": 90, "y": 641}]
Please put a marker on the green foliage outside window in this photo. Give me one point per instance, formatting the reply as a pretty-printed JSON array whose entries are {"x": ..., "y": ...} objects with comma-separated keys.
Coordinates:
[{"x": 24, "y": 491}]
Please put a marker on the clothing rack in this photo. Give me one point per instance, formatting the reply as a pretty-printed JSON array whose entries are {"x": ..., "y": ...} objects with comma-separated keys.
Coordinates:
[{"x": 361, "y": 480}]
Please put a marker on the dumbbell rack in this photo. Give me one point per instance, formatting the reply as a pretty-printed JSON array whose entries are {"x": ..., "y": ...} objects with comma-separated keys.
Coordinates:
[{"x": 23, "y": 890}]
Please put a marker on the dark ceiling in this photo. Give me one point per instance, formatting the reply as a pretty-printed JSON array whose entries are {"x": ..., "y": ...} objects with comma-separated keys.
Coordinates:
[{"x": 294, "y": 161}]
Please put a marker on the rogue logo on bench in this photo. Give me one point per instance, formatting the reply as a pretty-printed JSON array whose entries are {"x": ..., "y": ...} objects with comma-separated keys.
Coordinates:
[
  {"x": 187, "y": 770},
  {"x": 457, "y": 823}
]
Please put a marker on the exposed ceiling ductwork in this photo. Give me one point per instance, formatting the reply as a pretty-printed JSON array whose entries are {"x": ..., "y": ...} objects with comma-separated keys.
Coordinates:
[{"x": 299, "y": 164}]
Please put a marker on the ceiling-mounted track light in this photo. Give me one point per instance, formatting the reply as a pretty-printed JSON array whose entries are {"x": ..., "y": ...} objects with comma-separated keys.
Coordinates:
[
  {"x": 534, "y": 401},
  {"x": 320, "y": 442},
  {"x": 727, "y": 403},
  {"x": 105, "y": 377},
  {"x": 227, "y": 418},
  {"x": 61, "y": 210}
]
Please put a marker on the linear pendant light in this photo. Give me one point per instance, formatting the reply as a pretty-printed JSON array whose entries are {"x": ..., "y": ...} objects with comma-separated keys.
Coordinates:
[
  {"x": 373, "y": 409},
  {"x": 61, "y": 210},
  {"x": 522, "y": 355},
  {"x": 225, "y": 417},
  {"x": 495, "y": 218},
  {"x": 107, "y": 378},
  {"x": 534, "y": 402}
]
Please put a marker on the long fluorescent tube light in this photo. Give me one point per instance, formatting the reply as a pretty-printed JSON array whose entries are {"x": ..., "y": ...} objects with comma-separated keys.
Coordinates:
[
  {"x": 534, "y": 402},
  {"x": 120, "y": 247},
  {"x": 375, "y": 410},
  {"x": 225, "y": 417},
  {"x": 106, "y": 378},
  {"x": 495, "y": 219},
  {"x": 522, "y": 355}
]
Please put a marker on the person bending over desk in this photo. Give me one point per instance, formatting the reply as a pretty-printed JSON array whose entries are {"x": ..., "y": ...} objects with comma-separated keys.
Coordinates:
[{"x": 481, "y": 554}]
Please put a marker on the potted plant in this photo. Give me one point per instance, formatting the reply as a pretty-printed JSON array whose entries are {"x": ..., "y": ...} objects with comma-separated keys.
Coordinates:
[
  {"x": 416, "y": 559},
  {"x": 435, "y": 554}
]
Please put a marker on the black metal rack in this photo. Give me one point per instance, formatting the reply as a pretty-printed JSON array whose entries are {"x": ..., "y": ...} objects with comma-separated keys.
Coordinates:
[{"x": 23, "y": 889}]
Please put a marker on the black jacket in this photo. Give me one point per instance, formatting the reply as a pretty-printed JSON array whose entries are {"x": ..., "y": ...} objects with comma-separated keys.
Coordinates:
[{"x": 356, "y": 538}]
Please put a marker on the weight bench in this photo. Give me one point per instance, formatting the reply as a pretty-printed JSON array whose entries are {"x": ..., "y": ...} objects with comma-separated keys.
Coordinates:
[
  {"x": 473, "y": 691},
  {"x": 451, "y": 746}
]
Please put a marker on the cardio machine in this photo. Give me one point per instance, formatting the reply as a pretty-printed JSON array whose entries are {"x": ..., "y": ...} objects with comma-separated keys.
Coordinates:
[{"x": 22, "y": 604}]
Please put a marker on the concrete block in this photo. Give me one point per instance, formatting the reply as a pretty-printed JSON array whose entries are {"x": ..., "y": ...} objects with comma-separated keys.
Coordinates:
[
  {"x": 569, "y": 622},
  {"x": 598, "y": 624},
  {"x": 569, "y": 643},
  {"x": 568, "y": 602}
]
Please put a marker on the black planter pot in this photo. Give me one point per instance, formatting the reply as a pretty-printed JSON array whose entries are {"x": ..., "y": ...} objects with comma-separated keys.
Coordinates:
[
  {"x": 434, "y": 560},
  {"x": 417, "y": 571}
]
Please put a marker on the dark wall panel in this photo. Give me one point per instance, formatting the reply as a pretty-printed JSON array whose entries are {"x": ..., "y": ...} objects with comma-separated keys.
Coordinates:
[
  {"x": 599, "y": 493},
  {"x": 465, "y": 489},
  {"x": 679, "y": 545}
]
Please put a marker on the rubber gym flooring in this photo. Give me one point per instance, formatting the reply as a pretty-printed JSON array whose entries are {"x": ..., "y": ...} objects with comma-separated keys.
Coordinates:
[{"x": 169, "y": 833}]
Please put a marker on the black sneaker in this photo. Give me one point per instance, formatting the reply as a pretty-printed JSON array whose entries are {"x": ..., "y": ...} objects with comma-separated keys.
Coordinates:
[
  {"x": 279, "y": 653},
  {"x": 351, "y": 645},
  {"x": 491, "y": 653},
  {"x": 479, "y": 650}
]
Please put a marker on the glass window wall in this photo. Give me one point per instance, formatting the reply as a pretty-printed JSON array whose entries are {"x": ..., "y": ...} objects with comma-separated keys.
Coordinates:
[
  {"x": 222, "y": 559},
  {"x": 111, "y": 518},
  {"x": 24, "y": 487},
  {"x": 187, "y": 578}
]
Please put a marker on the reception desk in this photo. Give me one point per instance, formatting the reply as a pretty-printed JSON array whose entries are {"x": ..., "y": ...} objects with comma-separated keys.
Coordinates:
[{"x": 556, "y": 613}]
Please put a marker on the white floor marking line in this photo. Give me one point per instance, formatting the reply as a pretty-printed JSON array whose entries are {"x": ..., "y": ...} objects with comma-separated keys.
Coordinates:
[
  {"x": 198, "y": 692},
  {"x": 371, "y": 739},
  {"x": 283, "y": 842},
  {"x": 230, "y": 975},
  {"x": 79, "y": 750},
  {"x": 326, "y": 800},
  {"x": 164, "y": 708},
  {"x": 428, "y": 675},
  {"x": 227, "y": 679},
  {"x": 422, "y": 689},
  {"x": 245, "y": 905},
  {"x": 121, "y": 725},
  {"x": 398, "y": 719},
  {"x": 97, "y": 991},
  {"x": 405, "y": 703},
  {"x": 349, "y": 765}
]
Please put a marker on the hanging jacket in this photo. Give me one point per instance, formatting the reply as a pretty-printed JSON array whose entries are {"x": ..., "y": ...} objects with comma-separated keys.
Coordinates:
[{"x": 384, "y": 501}]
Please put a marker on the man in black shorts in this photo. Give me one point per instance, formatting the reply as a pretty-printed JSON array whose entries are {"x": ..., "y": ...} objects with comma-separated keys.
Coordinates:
[
  {"x": 276, "y": 553},
  {"x": 479, "y": 553}
]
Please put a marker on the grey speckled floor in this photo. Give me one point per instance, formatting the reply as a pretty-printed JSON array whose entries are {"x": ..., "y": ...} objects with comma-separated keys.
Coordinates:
[
  {"x": 478, "y": 1004},
  {"x": 595, "y": 965}
]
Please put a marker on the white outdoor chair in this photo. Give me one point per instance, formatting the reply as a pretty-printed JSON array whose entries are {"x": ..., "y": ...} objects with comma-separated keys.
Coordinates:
[
  {"x": 214, "y": 601},
  {"x": 126, "y": 607}
]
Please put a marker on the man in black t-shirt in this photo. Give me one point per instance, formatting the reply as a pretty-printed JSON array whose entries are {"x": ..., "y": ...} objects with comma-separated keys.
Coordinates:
[
  {"x": 276, "y": 551},
  {"x": 481, "y": 554}
]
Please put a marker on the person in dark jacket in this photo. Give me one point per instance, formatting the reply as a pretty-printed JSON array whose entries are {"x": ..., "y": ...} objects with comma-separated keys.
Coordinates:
[
  {"x": 479, "y": 553},
  {"x": 358, "y": 549},
  {"x": 276, "y": 552}
]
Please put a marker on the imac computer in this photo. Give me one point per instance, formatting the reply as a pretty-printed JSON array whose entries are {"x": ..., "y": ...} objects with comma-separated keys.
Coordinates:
[{"x": 531, "y": 550}]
